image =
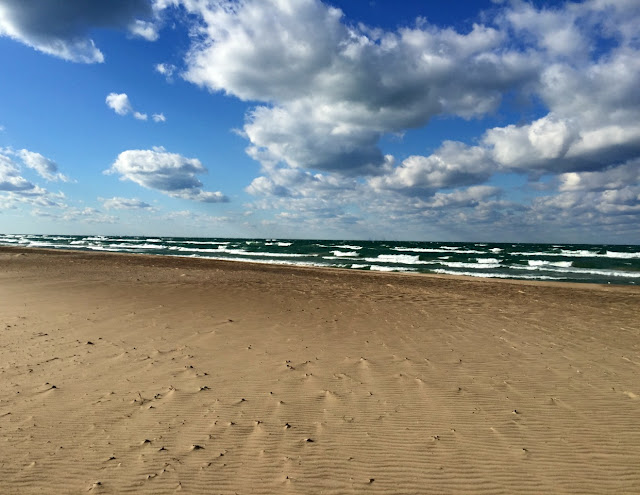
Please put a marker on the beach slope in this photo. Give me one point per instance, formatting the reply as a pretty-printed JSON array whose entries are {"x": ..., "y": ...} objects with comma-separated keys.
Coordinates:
[{"x": 142, "y": 374}]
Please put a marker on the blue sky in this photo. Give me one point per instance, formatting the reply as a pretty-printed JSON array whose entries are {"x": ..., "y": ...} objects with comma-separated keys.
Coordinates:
[{"x": 488, "y": 121}]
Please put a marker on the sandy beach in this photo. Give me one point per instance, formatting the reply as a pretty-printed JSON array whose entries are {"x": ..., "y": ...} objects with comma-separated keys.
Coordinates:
[{"x": 141, "y": 374}]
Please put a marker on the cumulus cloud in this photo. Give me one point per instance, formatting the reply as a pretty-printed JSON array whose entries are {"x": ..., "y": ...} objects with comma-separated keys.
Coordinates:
[
  {"x": 323, "y": 92},
  {"x": 10, "y": 179},
  {"x": 144, "y": 29},
  {"x": 334, "y": 89},
  {"x": 117, "y": 203},
  {"x": 120, "y": 103},
  {"x": 62, "y": 29},
  {"x": 452, "y": 165},
  {"x": 45, "y": 167},
  {"x": 169, "y": 173},
  {"x": 17, "y": 188},
  {"x": 469, "y": 197},
  {"x": 326, "y": 91},
  {"x": 610, "y": 179},
  {"x": 166, "y": 69}
]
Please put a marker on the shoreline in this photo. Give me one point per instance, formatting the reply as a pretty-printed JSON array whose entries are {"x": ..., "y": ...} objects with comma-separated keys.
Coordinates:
[
  {"x": 257, "y": 265},
  {"x": 150, "y": 374}
]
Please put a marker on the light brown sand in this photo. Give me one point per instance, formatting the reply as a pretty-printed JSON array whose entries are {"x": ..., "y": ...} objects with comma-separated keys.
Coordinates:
[{"x": 135, "y": 374}]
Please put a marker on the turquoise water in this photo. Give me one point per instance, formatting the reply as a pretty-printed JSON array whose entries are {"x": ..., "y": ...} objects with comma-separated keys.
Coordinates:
[{"x": 590, "y": 263}]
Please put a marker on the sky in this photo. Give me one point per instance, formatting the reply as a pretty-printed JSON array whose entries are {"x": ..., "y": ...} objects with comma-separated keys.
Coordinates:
[{"x": 498, "y": 121}]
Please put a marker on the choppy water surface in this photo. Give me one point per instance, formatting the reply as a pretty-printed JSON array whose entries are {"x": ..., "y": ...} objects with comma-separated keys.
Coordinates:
[{"x": 594, "y": 263}]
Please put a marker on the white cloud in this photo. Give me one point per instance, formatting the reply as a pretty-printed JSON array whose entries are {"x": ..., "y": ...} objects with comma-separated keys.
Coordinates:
[
  {"x": 167, "y": 70},
  {"x": 326, "y": 91},
  {"x": 460, "y": 198},
  {"x": 10, "y": 179},
  {"x": 17, "y": 189},
  {"x": 117, "y": 203},
  {"x": 452, "y": 165},
  {"x": 609, "y": 179},
  {"x": 62, "y": 29},
  {"x": 554, "y": 30},
  {"x": 45, "y": 167},
  {"x": 333, "y": 89},
  {"x": 74, "y": 214},
  {"x": 144, "y": 29},
  {"x": 169, "y": 173},
  {"x": 119, "y": 103}
]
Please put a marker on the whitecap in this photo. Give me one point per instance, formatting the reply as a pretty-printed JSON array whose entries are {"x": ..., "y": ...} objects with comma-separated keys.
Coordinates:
[
  {"x": 494, "y": 275},
  {"x": 383, "y": 268},
  {"x": 617, "y": 254},
  {"x": 404, "y": 259},
  {"x": 347, "y": 246},
  {"x": 344, "y": 253}
]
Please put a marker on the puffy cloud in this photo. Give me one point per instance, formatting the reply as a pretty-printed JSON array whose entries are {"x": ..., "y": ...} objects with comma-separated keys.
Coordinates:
[
  {"x": 610, "y": 179},
  {"x": 10, "y": 179},
  {"x": 593, "y": 123},
  {"x": 15, "y": 190},
  {"x": 20, "y": 189},
  {"x": 144, "y": 29},
  {"x": 452, "y": 165},
  {"x": 326, "y": 91},
  {"x": 120, "y": 103},
  {"x": 334, "y": 89},
  {"x": 167, "y": 70},
  {"x": 62, "y": 28},
  {"x": 554, "y": 30},
  {"x": 594, "y": 209},
  {"x": 46, "y": 168},
  {"x": 117, "y": 203},
  {"x": 463, "y": 198},
  {"x": 169, "y": 173}
]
